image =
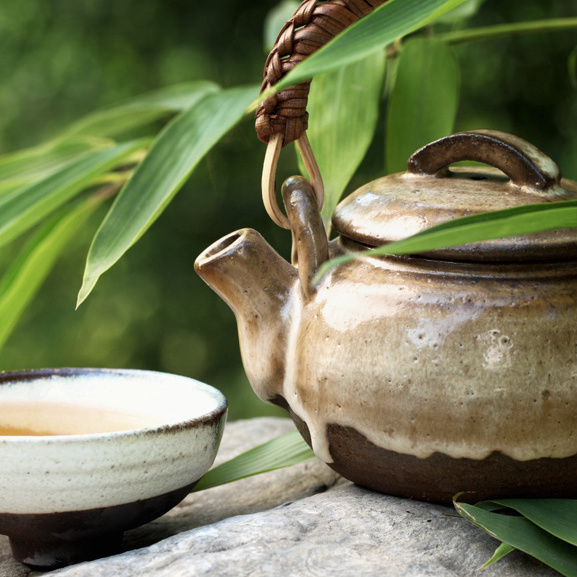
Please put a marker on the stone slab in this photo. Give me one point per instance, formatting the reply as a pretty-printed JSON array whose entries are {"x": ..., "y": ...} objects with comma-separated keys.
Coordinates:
[{"x": 342, "y": 532}]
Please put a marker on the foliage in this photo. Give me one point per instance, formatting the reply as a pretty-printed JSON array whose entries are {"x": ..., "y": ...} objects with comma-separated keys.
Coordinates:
[
  {"x": 543, "y": 528},
  {"x": 284, "y": 451}
]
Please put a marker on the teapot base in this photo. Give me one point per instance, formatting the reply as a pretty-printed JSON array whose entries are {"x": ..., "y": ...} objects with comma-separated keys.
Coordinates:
[{"x": 439, "y": 478}]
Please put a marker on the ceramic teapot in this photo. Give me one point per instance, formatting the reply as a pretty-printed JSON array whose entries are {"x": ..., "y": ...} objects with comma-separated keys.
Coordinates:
[{"x": 427, "y": 374}]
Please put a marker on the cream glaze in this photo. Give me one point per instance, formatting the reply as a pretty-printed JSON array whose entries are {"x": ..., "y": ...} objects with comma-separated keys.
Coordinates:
[{"x": 504, "y": 393}]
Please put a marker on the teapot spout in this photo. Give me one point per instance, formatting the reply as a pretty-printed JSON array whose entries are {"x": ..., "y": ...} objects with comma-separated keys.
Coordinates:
[{"x": 256, "y": 283}]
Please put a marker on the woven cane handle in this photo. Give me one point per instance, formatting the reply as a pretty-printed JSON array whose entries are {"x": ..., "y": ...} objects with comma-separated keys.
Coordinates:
[
  {"x": 282, "y": 118},
  {"x": 311, "y": 27}
]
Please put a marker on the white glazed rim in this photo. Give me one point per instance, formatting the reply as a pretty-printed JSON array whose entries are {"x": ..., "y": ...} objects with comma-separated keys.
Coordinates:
[{"x": 35, "y": 375}]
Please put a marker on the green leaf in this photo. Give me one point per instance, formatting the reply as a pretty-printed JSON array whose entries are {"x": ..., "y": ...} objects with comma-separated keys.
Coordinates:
[
  {"x": 24, "y": 207},
  {"x": 502, "y": 550},
  {"x": 424, "y": 100},
  {"x": 25, "y": 166},
  {"x": 370, "y": 34},
  {"x": 524, "y": 535},
  {"x": 142, "y": 110},
  {"x": 489, "y": 225},
  {"x": 171, "y": 159},
  {"x": 284, "y": 451},
  {"x": 275, "y": 20},
  {"x": 556, "y": 516},
  {"x": 499, "y": 30},
  {"x": 344, "y": 109},
  {"x": 22, "y": 281},
  {"x": 497, "y": 224}
]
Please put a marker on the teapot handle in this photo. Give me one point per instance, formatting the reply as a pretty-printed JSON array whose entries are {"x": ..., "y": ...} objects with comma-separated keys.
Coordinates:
[{"x": 521, "y": 161}]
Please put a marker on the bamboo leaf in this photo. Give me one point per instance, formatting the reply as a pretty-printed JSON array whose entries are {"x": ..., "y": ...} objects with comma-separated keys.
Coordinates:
[
  {"x": 524, "y": 535},
  {"x": 22, "y": 281},
  {"x": 24, "y": 207},
  {"x": 556, "y": 516},
  {"x": 502, "y": 550},
  {"x": 344, "y": 108},
  {"x": 497, "y": 224},
  {"x": 370, "y": 34},
  {"x": 499, "y": 30},
  {"x": 171, "y": 159},
  {"x": 424, "y": 100},
  {"x": 142, "y": 110},
  {"x": 284, "y": 451},
  {"x": 25, "y": 166}
]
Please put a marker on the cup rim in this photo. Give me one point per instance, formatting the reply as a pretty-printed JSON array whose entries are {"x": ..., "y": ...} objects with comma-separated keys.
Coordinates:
[{"x": 24, "y": 375}]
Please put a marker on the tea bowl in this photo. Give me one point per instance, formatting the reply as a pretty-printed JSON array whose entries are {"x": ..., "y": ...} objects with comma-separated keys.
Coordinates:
[{"x": 88, "y": 453}]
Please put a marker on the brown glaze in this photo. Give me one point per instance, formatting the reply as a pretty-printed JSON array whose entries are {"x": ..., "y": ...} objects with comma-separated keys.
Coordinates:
[
  {"x": 423, "y": 375},
  {"x": 522, "y": 162},
  {"x": 53, "y": 540},
  {"x": 439, "y": 478}
]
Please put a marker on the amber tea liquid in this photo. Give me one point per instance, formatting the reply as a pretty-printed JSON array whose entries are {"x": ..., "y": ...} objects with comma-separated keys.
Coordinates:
[{"x": 41, "y": 419}]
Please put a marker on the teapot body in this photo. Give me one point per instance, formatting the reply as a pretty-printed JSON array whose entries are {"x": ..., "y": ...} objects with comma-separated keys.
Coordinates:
[
  {"x": 447, "y": 371},
  {"x": 424, "y": 379}
]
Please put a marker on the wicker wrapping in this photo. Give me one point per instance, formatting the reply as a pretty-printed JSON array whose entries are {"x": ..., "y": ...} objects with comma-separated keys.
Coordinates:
[{"x": 312, "y": 25}]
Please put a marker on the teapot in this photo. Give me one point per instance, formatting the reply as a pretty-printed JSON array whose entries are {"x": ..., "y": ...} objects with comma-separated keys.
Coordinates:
[{"x": 429, "y": 374}]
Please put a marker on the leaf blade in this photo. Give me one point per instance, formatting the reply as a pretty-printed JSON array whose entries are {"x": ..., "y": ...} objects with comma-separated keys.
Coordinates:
[
  {"x": 24, "y": 207},
  {"x": 556, "y": 516},
  {"x": 491, "y": 225},
  {"x": 141, "y": 110},
  {"x": 370, "y": 34},
  {"x": 283, "y": 451},
  {"x": 502, "y": 550},
  {"x": 22, "y": 281},
  {"x": 24, "y": 166},
  {"x": 524, "y": 535},
  {"x": 343, "y": 109},
  {"x": 171, "y": 159},
  {"x": 516, "y": 221},
  {"x": 424, "y": 99}
]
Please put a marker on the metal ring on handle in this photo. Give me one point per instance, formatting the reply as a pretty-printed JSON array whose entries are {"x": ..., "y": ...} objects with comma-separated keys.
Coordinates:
[{"x": 520, "y": 160}]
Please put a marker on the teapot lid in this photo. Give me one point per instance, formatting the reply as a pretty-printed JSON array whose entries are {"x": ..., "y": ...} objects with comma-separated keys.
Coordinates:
[{"x": 400, "y": 205}]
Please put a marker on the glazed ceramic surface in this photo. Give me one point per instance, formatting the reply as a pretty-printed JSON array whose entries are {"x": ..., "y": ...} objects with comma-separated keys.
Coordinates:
[
  {"x": 422, "y": 375},
  {"x": 115, "y": 449}
]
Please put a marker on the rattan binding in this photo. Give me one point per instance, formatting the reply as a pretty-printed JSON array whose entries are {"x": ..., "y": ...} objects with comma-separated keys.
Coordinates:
[{"x": 282, "y": 118}]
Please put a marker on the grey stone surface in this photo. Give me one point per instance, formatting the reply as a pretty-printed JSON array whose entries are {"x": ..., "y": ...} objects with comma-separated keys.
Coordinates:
[
  {"x": 300, "y": 521},
  {"x": 343, "y": 532}
]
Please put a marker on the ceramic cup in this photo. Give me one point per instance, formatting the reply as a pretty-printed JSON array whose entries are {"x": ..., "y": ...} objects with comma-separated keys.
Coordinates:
[{"x": 88, "y": 453}]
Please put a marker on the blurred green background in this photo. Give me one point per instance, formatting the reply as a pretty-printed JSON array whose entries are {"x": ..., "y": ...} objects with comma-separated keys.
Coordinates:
[{"x": 60, "y": 59}]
